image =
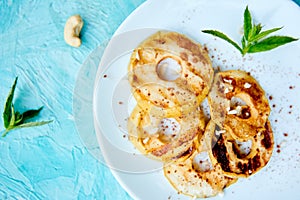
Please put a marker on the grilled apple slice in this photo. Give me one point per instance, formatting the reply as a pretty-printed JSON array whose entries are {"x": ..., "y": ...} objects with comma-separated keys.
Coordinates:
[
  {"x": 165, "y": 137},
  {"x": 242, "y": 158},
  {"x": 245, "y": 116},
  {"x": 200, "y": 175},
  {"x": 170, "y": 71}
]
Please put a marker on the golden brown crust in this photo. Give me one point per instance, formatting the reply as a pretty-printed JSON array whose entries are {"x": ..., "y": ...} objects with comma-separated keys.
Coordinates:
[
  {"x": 236, "y": 165},
  {"x": 187, "y": 179},
  {"x": 184, "y": 93},
  {"x": 179, "y": 99},
  {"x": 245, "y": 120},
  {"x": 144, "y": 134}
]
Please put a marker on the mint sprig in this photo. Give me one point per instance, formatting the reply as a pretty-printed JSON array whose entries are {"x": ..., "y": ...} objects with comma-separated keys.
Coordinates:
[
  {"x": 13, "y": 119},
  {"x": 254, "y": 39}
]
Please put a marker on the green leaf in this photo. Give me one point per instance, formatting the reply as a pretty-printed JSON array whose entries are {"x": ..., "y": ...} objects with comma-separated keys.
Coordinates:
[
  {"x": 264, "y": 34},
  {"x": 5, "y": 132},
  {"x": 243, "y": 42},
  {"x": 270, "y": 43},
  {"x": 7, "y": 113},
  {"x": 258, "y": 28},
  {"x": 32, "y": 124},
  {"x": 253, "y": 39},
  {"x": 29, "y": 114},
  {"x": 224, "y": 37},
  {"x": 26, "y": 125},
  {"x": 19, "y": 117},
  {"x": 247, "y": 23},
  {"x": 252, "y": 33},
  {"x": 13, "y": 117}
]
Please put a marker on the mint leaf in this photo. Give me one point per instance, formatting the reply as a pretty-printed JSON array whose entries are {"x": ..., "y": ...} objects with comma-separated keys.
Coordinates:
[
  {"x": 258, "y": 28},
  {"x": 14, "y": 119},
  {"x": 5, "y": 132},
  {"x": 247, "y": 23},
  {"x": 29, "y": 114},
  {"x": 32, "y": 124},
  {"x": 253, "y": 32},
  {"x": 264, "y": 34},
  {"x": 254, "y": 40},
  {"x": 270, "y": 43},
  {"x": 224, "y": 37},
  {"x": 243, "y": 42},
  {"x": 26, "y": 125},
  {"x": 19, "y": 117},
  {"x": 8, "y": 104}
]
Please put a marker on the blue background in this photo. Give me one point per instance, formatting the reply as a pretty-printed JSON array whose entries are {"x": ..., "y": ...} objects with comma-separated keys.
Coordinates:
[{"x": 51, "y": 162}]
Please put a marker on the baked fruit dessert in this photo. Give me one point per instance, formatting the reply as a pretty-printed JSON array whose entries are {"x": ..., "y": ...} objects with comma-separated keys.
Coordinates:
[
  {"x": 201, "y": 174},
  {"x": 170, "y": 71},
  {"x": 240, "y": 158},
  {"x": 237, "y": 100},
  {"x": 170, "y": 76},
  {"x": 165, "y": 137}
]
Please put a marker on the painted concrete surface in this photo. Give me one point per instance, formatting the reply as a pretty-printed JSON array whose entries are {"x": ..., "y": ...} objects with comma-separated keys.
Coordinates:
[
  {"x": 51, "y": 161},
  {"x": 54, "y": 161}
]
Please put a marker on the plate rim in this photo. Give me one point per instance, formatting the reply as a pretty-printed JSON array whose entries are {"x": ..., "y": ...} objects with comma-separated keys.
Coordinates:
[{"x": 118, "y": 31}]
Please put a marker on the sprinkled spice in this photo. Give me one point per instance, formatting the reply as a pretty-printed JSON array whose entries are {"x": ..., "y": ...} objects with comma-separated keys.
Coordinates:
[
  {"x": 104, "y": 76},
  {"x": 120, "y": 102},
  {"x": 285, "y": 134},
  {"x": 270, "y": 97},
  {"x": 205, "y": 49},
  {"x": 278, "y": 151},
  {"x": 291, "y": 87}
]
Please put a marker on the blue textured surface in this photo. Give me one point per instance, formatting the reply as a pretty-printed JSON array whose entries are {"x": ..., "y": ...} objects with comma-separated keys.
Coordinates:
[{"x": 51, "y": 162}]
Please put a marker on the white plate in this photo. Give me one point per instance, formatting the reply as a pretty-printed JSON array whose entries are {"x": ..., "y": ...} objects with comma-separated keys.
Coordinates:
[{"x": 278, "y": 72}]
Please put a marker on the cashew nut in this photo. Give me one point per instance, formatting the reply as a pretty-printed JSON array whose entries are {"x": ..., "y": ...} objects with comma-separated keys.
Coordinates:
[{"x": 72, "y": 30}]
